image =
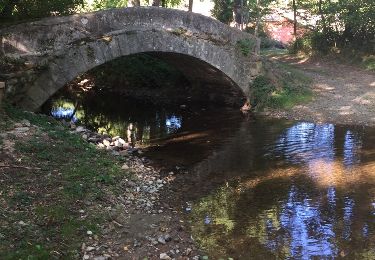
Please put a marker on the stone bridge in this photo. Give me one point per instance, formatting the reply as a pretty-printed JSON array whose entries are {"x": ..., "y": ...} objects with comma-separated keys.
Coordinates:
[{"x": 54, "y": 51}]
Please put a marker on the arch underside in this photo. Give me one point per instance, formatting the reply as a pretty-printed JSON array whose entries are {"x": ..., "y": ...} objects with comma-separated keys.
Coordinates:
[{"x": 202, "y": 61}]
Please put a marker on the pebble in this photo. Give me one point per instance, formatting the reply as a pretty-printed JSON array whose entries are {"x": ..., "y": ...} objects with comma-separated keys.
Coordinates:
[
  {"x": 25, "y": 122},
  {"x": 89, "y": 232},
  {"x": 164, "y": 256},
  {"x": 167, "y": 238},
  {"x": 122, "y": 141},
  {"x": 22, "y": 223},
  {"x": 90, "y": 248},
  {"x": 100, "y": 258},
  {"x": 21, "y": 129},
  {"x": 125, "y": 167},
  {"x": 80, "y": 129},
  {"x": 161, "y": 240},
  {"x": 86, "y": 257},
  {"x": 106, "y": 142}
]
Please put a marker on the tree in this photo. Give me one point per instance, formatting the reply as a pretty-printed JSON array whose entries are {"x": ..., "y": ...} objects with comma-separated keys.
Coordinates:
[
  {"x": 106, "y": 4},
  {"x": 223, "y": 10},
  {"x": 256, "y": 10},
  {"x": 11, "y": 10},
  {"x": 342, "y": 24},
  {"x": 294, "y": 18},
  {"x": 190, "y": 5}
]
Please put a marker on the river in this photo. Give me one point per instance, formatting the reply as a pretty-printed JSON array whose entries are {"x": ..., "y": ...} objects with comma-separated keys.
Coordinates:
[{"x": 252, "y": 187}]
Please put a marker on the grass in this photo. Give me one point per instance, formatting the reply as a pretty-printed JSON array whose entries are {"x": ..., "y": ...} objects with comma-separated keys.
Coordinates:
[
  {"x": 68, "y": 175},
  {"x": 368, "y": 62},
  {"x": 282, "y": 86}
]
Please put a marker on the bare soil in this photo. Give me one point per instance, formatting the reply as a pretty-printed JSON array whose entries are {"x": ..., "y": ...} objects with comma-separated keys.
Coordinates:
[{"x": 343, "y": 94}]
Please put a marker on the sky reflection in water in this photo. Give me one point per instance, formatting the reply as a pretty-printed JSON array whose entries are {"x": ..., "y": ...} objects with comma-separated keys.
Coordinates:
[
  {"x": 326, "y": 210},
  {"x": 309, "y": 192}
]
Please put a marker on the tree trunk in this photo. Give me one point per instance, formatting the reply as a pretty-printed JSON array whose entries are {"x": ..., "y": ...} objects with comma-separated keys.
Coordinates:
[
  {"x": 294, "y": 19},
  {"x": 256, "y": 31},
  {"x": 190, "y": 5},
  {"x": 136, "y": 2},
  {"x": 156, "y": 2},
  {"x": 322, "y": 16}
]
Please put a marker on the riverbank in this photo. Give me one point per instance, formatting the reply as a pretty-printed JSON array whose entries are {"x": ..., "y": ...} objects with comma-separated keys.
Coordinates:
[
  {"x": 62, "y": 197},
  {"x": 343, "y": 94}
]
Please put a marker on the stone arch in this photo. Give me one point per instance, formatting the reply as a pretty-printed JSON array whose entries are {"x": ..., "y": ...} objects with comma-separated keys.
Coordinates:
[{"x": 75, "y": 44}]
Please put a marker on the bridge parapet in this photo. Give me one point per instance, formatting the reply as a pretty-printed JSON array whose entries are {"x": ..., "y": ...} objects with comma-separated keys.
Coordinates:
[{"x": 58, "y": 49}]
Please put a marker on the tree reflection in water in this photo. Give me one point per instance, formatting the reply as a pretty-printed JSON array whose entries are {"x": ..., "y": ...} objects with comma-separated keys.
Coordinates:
[
  {"x": 116, "y": 116},
  {"x": 312, "y": 199},
  {"x": 259, "y": 188}
]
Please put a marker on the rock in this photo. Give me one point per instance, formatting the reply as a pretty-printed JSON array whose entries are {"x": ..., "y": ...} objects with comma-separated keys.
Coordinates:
[
  {"x": 106, "y": 143},
  {"x": 115, "y": 153},
  {"x": 167, "y": 238},
  {"x": 164, "y": 256},
  {"x": 21, "y": 129},
  {"x": 72, "y": 125},
  {"x": 118, "y": 144},
  {"x": 90, "y": 248},
  {"x": 100, "y": 258},
  {"x": 124, "y": 153},
  {"x": 89, "y": 232},
  {"x": 188, "y": 251},
  {"x": 86, "y": 257},
  {"x": 80, "y": 129},
  {"x": 131, "y": 184},
  {"x": 115, "y": 138},
  {"x": 122, "y": 141},
  {"x": 125, "y": 167},
  {"x": 85, "y": 136},
  {"x": 161, "y": 240},
  {"x": 93, "y": 139},
  {"x": 25, "y": 122}
]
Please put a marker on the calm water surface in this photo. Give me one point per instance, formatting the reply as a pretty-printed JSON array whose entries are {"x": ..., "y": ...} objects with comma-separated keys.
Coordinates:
[{"x": 256, "y": 188}]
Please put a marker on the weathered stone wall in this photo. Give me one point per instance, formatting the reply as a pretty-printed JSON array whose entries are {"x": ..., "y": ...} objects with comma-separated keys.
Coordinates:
[{"x": 59, "y": 49}]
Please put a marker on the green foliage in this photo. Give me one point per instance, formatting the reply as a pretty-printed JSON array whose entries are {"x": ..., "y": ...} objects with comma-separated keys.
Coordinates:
[
  {"x": 12, "y": 10},
  {"x": 106, "y": 4},
  {"x": 342, "y": 24},
  {"x": 246, "y": 46},
  {"x": 65, "y": 181},
  {"x": 369, "y": 62},
  {"x": 223, "y": 10},
  {"x": 262, "y": 88},
  {"x": 282, "y": 86}
]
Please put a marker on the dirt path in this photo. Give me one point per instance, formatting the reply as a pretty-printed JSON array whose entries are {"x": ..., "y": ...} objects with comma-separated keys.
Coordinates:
[{"x": 342, "y": 94}]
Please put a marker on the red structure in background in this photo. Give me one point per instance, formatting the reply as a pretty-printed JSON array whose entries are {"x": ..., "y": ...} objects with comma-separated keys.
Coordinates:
[{"x": 280, "y": 28}]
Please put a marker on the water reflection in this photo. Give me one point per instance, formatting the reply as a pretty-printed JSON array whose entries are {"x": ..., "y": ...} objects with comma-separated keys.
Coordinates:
[
  {"x": 111, "y": 114},
  {"x": 256, "y": 188},
  {"x": 309, "y": 194},
  {"x": 64, "y": 113}
]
